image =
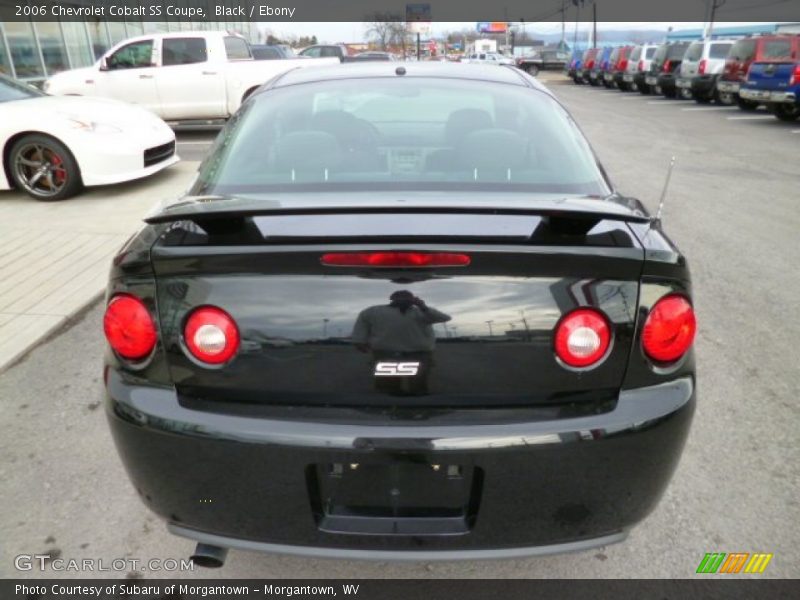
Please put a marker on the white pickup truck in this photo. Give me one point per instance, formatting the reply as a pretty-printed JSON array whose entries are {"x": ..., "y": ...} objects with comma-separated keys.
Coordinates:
[{"x": 179, "y": 76}]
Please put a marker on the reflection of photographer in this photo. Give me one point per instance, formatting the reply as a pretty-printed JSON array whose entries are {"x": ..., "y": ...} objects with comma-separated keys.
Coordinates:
[{"x": 400, "y": 331}]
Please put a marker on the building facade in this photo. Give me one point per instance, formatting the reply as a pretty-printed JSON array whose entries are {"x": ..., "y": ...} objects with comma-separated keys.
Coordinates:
[{"x": 34, "y": 51}]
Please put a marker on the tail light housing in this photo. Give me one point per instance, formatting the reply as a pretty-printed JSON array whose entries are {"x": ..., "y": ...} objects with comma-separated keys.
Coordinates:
[
  {"x": 667, "y": 66},
  {"x": 129, "y": 328},
  {"x": 795, "y": 78},
  {"x": 590, "y": 64},
  {"x": 640, "y": 66},
  {"x": 728, "y": 68},
  {"x": 669, "y": 330},
  {"x": 395, "y": 259},
  {"x": 623, "y": 64},
  {"x": 582, "y": 338},
  {"x": 701, "y": 67},
  {"x": 211, "y": 335}
]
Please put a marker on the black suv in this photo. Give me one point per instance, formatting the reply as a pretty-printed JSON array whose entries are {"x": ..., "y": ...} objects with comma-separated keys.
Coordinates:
[{"x": 665, "y": 66}]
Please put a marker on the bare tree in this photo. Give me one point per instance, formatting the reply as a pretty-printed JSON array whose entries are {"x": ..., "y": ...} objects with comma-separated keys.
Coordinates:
[{"x": 387, "y": 30}]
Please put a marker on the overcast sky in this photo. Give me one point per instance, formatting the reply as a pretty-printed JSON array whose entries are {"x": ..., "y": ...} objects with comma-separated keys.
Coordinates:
[{"x": 354, "y": 32}]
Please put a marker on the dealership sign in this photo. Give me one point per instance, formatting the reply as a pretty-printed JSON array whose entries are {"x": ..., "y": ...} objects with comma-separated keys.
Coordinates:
[
  {"x": 492, "y": 27},
  {"x": 418, "y": 17}
]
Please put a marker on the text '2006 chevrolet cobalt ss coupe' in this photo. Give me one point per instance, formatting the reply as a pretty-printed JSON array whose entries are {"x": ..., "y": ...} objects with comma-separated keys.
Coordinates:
[{"x": 402, "y": 314}]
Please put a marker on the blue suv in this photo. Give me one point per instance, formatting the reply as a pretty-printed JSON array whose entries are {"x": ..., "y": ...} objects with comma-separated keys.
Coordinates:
[{"x": 775, "y": 78}]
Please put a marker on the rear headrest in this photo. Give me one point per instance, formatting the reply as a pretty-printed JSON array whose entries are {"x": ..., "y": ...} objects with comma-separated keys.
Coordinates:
[
  {"x": 306, "y": 150},
  {"x": 463, "y": 121},
  {"x": 493, "y": 149}
]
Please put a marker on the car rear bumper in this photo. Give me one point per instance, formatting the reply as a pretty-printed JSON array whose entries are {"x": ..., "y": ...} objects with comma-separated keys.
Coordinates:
[
  {"x": 728, "y": 87},
  {"x": 533, "y": 487},
  {"x": 768, "y": 96},
  {"x": 666, "y": 81},
  {"x": 702, "y": 85},
  {"x": 396, "y": 555}
]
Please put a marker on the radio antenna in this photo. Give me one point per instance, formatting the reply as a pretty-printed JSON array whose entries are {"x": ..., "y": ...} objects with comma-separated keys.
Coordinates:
[{"x": 657, "y": 219}]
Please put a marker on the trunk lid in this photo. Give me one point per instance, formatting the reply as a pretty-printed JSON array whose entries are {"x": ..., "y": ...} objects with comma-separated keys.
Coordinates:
[{"x": 486, "y": 338}]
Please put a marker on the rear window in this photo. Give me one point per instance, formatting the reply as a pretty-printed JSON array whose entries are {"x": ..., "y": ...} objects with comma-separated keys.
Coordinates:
[
  {"x": 649, "y": 53},
  {"x": 183, "y": 51},
  {"x": 267, "y": 53},
  {"x": 695, "y": 52},
  {"x": 415, "y": 134},
  {"x": 776, "y": 50},
  {"x": 614, "y": 56},
  {"x": 330, "y": 51},
  {"x": 719, "y": 50},
  {"x": 677, "y": 51},
  {"x": 236, "y": 48},
  {"x": 660, "y": 53},
  {"x": 743, "y": 50},
  {"x": 636, "y": 53}
]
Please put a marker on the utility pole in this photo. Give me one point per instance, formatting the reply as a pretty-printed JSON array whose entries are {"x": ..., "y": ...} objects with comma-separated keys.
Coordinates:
[
  {"x": 505, "y": 16},
  {"x": 594, "y": 24},
  {"x": 418, "y": 49},
  {"x": 713, "y": 6},
  {"x": 563, "y": 21}
]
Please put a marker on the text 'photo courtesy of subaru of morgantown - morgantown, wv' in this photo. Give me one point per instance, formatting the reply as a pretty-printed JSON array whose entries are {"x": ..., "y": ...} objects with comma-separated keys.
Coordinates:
[{"x": 407, "y": 294}]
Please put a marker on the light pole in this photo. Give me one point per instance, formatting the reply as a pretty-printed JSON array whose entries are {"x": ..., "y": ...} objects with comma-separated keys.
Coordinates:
[{"x": 489, "y": 323}]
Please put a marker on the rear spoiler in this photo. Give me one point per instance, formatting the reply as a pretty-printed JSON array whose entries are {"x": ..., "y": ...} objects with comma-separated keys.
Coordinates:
[{"x": 200, "y": 209}]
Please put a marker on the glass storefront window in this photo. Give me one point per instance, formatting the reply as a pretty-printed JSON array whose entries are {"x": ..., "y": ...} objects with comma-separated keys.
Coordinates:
[
  {"x": 24, "y": 53},
  {"x": 155, "y": 27},
  {"x": 117, "y": 32},
  {"x": 52, "y": 44},
  {"x": 134, "y": 28},
  {"x": 80, "y": 54},
  {"x": 5, "y": 59},
  {"x": 99, "y": 37}
]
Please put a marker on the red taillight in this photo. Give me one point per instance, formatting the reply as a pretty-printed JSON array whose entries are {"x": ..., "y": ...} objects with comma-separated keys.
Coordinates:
[
  {"x": 582, "y": 337},
  {"x": 623, "y": 64},
  {"x": 669, "y": 329},
  {"x": 701, "y": 67},
  {"x": 667, "y": 66},
  {"x": 211, "y": 335},
  {"x": 395, "y": 259},
  {"x": 129, "y": 328},
  {"x": 640, "y": 66},
  {"x": 590, "y": 64},
  {"x": 795, "y": 78}
]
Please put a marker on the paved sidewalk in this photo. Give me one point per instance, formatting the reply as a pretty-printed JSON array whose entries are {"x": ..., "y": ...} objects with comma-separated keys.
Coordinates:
[{"x": 55, "y": 256}]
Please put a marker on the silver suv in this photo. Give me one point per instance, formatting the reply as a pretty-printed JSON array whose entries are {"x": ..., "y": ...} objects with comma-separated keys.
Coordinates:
[
  {"x": 702, "y": 65},
  {"x": 638, "y": 65}
]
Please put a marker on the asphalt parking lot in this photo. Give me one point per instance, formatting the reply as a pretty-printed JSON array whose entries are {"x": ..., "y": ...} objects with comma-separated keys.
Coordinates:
[{"x": 732, "y": 208}]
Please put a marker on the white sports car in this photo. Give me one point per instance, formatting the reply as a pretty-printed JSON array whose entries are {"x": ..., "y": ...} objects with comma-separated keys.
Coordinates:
[{"x": 53, "y": 146}]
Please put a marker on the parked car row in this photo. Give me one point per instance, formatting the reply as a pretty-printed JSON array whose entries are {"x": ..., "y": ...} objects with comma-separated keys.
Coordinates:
[{"x": 747, "y": 72}]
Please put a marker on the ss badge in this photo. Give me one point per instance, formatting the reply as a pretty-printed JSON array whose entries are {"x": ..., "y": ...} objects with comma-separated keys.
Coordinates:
[{"x": 396, "y": 369}]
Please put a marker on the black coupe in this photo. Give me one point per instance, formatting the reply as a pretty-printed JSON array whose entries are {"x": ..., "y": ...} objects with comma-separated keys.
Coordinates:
[{"x": 402, "y": 314}]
